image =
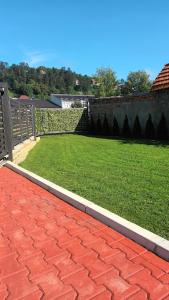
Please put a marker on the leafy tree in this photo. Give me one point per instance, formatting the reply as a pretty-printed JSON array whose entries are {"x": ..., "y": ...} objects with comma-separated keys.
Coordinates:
[
  {"x": 107, "y": 84},
  {"x": 137, "y": 82}
]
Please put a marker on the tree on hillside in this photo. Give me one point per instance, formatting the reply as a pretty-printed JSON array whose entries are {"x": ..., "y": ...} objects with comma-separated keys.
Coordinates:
[
  {"x": 137, "y": 82},
  {"x": 107, "y": 84}
]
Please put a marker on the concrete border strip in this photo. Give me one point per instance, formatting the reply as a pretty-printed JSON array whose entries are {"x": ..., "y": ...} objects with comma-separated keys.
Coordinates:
[{"x": 149, "y": 240}]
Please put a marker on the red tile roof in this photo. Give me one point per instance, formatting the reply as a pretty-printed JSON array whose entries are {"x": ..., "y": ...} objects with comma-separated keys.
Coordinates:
[
  {"x": 24, "y": 97},
  {"x": 162, "y": 80}
]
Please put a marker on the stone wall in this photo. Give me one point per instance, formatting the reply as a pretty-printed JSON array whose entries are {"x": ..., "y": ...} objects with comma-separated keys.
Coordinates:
[{"x": 152, "y": 104}]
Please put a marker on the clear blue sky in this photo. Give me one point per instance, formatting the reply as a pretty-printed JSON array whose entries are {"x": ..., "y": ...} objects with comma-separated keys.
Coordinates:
[{"x": 84, "y": 35}]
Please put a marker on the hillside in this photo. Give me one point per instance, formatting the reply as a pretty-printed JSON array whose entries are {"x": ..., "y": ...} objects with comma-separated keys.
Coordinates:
[{"x": 41, "y": 82}]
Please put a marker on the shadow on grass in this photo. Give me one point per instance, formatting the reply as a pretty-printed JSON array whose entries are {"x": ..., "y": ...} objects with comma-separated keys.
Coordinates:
[{"x": 158, "y": 143}]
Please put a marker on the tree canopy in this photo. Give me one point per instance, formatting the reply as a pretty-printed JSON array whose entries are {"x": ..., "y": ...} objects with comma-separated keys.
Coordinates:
[
  {"x": 40, "y": 82},
  {"x": 107, "y": 83},
  {"x": 137, "y": 82}
]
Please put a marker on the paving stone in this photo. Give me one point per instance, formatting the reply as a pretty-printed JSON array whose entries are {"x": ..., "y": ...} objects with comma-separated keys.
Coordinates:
[
  {"x": 150, "y": 284},
  {"x": 117, "y": 285},
  {"x": 85, "y": 287}
]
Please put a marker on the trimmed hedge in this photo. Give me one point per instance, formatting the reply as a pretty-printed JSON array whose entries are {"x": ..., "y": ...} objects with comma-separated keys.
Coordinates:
[{"x": 61, "y": 120}]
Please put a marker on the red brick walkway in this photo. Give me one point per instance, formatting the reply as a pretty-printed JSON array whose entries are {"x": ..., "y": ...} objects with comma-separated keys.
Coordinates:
[{"x": 50, "y": 250}]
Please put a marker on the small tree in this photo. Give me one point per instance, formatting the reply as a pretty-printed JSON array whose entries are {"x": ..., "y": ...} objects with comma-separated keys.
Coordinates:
[
  {"x": 106, "y": 130},
  {"x": 126, "y": 128},
  {"x": 162, "y": 130},
  {"x": 149, "y": 130},
  {"x": 76, "y": 104},
  {"x": 115, "y": 128},
  {"x": 137, "y": 82},
  {"x": 99, "y": 125},
  {"x": 137, "y": 128}
]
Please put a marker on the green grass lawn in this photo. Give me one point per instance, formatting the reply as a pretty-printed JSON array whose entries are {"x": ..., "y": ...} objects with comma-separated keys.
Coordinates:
[{"x": 129, "y": 178}]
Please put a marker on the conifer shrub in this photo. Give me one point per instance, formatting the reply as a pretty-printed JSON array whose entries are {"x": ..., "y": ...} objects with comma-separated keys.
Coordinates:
[
  {"x": 99, "y": 126},
  {"x": 149, "y": 130},
  {"x": 126, "y": 132},
  {"x": 106, "y": 129},
  {"x": 137, "y": 132},
  {"x": 162, "y": 129},
  {"x": 115, "y": 128}
]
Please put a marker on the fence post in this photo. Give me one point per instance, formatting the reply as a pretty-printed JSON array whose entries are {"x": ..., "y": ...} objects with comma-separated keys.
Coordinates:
[
  {"x": 33, "y": 122},
  {"x": 7, "y": 119}
]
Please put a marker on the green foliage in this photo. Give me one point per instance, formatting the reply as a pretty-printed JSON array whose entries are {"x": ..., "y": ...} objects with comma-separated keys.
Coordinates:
[
  {"x": 137, "y": 82},
  {"x": 61, "y": 120},
  {"x": 76, "y": 104},
  {"x": 41, "y": 82},
  {"x": 137, "y": 128},
  {"x": 107, "y": 83},
  {"x": 149, "y": 130},
  {"x": 129, "y": 178},
  {"x": 162, "y": 130}
]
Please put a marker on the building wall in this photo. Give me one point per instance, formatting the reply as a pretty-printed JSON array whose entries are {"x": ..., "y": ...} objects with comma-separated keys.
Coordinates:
[{"x": 132, "y": 106}]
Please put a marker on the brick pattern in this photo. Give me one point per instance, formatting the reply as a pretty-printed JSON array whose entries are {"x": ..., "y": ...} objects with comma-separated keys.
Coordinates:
[{"x": 50, "y": 250}]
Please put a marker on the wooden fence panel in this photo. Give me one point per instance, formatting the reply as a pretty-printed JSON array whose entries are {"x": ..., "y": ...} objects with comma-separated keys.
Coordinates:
[{"x": 22, "y": 115}]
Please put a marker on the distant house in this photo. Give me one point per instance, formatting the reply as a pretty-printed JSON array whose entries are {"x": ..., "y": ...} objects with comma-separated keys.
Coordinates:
[
  {"x": 65, "y": 101},
  {"x": 38, "y": 103},
  {"x": 24, "y": 97}
]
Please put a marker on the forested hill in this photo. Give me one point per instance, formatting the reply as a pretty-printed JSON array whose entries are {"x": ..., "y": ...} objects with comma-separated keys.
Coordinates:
[{"x": 41, "y": 82}]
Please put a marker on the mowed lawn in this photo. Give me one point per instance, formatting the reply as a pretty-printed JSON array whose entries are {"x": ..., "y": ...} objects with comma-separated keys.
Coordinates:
[{"x": 129, "y": 178}]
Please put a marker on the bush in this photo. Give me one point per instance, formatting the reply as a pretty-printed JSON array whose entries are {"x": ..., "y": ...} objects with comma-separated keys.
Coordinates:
[
  {"x": 126, "y": 129},
  {"x": 106, "y": 129},
  {"x": 76, "y": 104},
  {"x": 92, "y": 125},
  {"x": 99, "y": 126},
  {"x": 115, "y": 128},
  {"x": 149, "y": 130},
  {"x": 137, "y": 132},
  {"x": 162, "y": 130}
]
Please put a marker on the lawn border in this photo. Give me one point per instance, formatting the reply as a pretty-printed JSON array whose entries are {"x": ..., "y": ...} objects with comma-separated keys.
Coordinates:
[{"x": 146, "y": 238}]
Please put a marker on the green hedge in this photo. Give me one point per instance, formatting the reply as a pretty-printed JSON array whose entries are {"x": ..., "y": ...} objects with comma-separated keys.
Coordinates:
[{"x": 61, "y": 120}]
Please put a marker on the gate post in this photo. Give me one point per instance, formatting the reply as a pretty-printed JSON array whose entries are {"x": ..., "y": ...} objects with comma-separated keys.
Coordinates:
[{"x": 7, "y": 118}]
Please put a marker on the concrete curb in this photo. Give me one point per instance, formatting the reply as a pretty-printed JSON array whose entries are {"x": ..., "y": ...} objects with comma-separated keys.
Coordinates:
[{"x": 149, "y": 240}]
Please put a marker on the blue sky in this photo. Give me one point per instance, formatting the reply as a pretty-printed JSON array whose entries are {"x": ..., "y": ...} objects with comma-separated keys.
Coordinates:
[{"x": 84, "y": 35}]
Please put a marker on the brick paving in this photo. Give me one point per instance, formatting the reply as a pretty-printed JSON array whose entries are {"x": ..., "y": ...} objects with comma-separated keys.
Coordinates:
[{"x": 50, "y": 250}]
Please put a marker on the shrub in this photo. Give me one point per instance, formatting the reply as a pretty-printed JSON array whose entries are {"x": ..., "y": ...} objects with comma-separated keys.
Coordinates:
[
  {"x": 162, "y": 130},
  {"x": 106, "y": 129},
  {"x": 115, "y": 128},
  {"x": 99, "y": 126},
  {"x": 137, "y": 128},
  {"x": 92, "y": 125},
  {"x": 149, "y": 130},
  {"x": 126, "y": 129}
]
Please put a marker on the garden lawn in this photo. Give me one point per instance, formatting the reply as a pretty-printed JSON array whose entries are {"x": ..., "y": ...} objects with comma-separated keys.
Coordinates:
[{"x": 129, "y": 178}]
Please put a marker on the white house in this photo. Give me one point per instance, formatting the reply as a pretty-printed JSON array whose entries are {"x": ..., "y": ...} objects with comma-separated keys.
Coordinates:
[{"x": 65, "y": 101}]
